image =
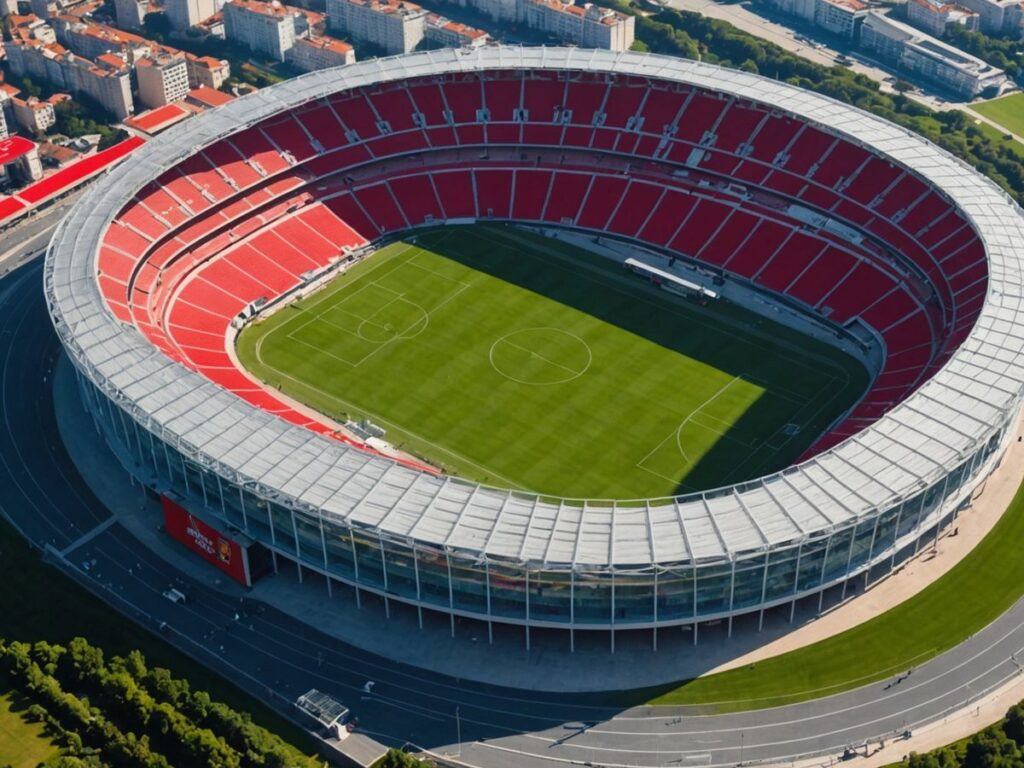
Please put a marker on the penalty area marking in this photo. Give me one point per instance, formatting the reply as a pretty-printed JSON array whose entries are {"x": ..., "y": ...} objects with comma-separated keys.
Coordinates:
[{"x": 525, "y": 338}]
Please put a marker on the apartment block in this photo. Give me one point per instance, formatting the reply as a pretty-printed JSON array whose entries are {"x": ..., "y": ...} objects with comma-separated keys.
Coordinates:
[
  {"x": 107, "y": 80},
  {"x": 162, "y": 79},
  {"x": 183, "y": 14},
  {"x": 997, "y": 17},
  {"x": 207, "y": 71},
  {"x": 587, "y": 25},
  {"x": 33, "y": 115},
  {"x": 314, "y": 53},
  {"x": 394, "y": 26},
  {"x": 269, "y": 28},
  {"x": 451, "y": 34},
  {"x": 131, "y": 13},
  {"x": 840, "y": 17},
  {"x": 933, "y": 17}
]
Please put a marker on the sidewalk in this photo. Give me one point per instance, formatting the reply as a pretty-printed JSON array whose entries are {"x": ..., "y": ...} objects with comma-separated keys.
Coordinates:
[{"x": 549, "y": 665}]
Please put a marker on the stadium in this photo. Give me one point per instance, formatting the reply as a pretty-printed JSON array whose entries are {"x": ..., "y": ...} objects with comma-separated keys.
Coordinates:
[{"x": 321, "y": 323}]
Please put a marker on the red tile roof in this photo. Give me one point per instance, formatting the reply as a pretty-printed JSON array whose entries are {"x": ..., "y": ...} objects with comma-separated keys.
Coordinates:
[
  {"x": 157, "y": 119},
  {"x": 210, "y": 97}
]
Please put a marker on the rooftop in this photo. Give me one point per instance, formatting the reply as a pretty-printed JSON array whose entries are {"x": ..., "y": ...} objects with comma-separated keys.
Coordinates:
[
  {"x": 156, "y": 120},
  {"x": 325, "y": 43},
  {"x": 209, "y": 97},
  {"x": 14, "y": 147},
  {"x": 397, "y": 7}
]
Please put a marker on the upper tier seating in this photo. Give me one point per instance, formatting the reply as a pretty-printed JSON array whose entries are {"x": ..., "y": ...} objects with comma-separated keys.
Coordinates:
[{"x": 730, "y": 184}]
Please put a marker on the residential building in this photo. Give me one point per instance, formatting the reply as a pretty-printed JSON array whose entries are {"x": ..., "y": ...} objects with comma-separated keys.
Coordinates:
[
  {"x": 997, "y": 17},
  {"x": 587, "y": 25},
  {"x": 269, "y": 28},
  {"x": 498, "y": 10},
  {"x": 837, "y": 17},
  {"x": 131, "y": 13},
  {"x": 89, "y": 39},
  {"x": 107, "y": 80},
  {"x": 44, "y": 9},
  {"x": 394, "y": 26},
  {"x": 323, "y": 52},
  {"x": 207, "y": 71},
  {"x": 933, "y": 17},
  {"x": 33, "y": 115},
  {"x": 840, "y": 17},
  {"x": 183, "y": 14},
  {"x": 31, "y": 27},
  {"x": 162, "y": 78},
  {"x": 919, "y": 54},
  {"x": 451, "y": 34}
]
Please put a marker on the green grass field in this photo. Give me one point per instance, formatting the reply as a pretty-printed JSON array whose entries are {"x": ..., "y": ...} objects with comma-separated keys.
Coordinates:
[
  {"x": 1008, "y": 111},
  {"x": 514, "y": 359},
  {"x": 22, "y": 744}
]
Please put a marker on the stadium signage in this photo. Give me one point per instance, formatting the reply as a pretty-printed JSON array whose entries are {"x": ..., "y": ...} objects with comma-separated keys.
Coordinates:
[{"x": 206, "y": 541}]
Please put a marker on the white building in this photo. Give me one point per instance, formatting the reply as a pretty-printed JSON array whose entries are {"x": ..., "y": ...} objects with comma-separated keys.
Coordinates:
[
  {"x": 313, "y": 53},
  {"x": 267, "y": 28},
  {"x": 32, "y": 114},
  {"x": 840, "y": 17},
  {"x": 931, "y": 59},
  {"x": 587, "y": 25},
  {"x": 131, "y": 13},
  {"x": 183, "y": 14},
  {"x": 393, "y": 25},
  {"x": 107, "y": 79},
  {"x": 997, "y": 17},
  {"x": 162, "y": 79},
  {"x": 451, "y": 34},
  {"x": 933, "y": 17},
  {"x": 206, "y": 70}
]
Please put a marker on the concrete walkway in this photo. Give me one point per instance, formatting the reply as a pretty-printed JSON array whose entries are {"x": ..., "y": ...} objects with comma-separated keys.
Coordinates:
[{"x": 548, "y": 665}]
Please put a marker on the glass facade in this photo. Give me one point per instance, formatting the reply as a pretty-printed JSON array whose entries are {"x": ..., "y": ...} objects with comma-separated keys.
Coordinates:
[{"x": 527, "y": 593}]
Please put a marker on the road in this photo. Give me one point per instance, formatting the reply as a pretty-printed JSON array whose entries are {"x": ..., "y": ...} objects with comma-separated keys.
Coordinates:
[
  {"x": 278, "y": 658},
  {"x": 780, "y": 32}
]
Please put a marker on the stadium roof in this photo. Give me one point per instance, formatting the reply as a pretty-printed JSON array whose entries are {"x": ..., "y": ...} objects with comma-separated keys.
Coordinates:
[{"x": 917, "y": 443}]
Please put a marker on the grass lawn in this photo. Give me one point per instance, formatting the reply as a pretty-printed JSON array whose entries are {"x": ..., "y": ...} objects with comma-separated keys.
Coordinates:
[
  {"x": 518, "y": 360},
  {"x": 973, "y": 594},
  {"x": 1007, "y": 111},
  {"x": 22, "y": 744}
]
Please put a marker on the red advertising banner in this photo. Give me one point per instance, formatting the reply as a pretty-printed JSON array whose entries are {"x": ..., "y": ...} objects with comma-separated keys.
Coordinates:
[{"x": 206, "y": 541}]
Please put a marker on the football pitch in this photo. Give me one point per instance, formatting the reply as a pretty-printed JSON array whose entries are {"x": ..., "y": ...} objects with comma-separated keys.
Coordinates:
[{"x": 514, "y": 359}]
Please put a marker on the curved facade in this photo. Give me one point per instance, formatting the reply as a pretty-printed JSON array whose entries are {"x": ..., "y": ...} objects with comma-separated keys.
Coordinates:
[{"x": 877, "y": 232}]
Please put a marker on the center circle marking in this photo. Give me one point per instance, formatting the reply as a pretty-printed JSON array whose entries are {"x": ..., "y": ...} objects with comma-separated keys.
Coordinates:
[{"x": 540, "y": 356}]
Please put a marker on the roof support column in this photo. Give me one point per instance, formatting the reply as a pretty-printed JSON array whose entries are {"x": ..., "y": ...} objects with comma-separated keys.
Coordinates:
[
  {"x": 490, "y": 624},
  {"x": 355, "y": 567},
  {"x": 572, "y": 610},
  {"x": 526, "y": 569},
  {"x": 654, "y": 638},
  {"x": 419, "y": 595},
  {"x": 732, "y": 596},
  {"x": 451, "y": 593},
  {"x": 796, "y": 582}
]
